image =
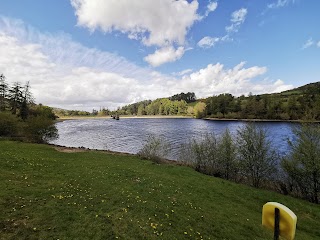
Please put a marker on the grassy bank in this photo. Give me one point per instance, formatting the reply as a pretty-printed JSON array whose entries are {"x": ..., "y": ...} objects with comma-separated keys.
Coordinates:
[{"x": 47, "y": 194}]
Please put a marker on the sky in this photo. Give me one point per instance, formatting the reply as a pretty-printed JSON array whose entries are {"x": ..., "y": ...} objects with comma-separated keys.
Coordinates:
[{"x": 88, "y": 54}]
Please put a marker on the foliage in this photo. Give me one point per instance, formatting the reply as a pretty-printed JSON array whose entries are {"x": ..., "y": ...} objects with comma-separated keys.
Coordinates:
[
  {"x": 15, "y": 97},
  {"x": 187, "y": 97},
  {"x": 249, "y": 158},
  {"x": 40, "y": 129},
  {"x": 200, "y": 110},
  {"x": 298, "y": 104},
  {"x": 3, "y": 92},
  {"x": 228, "y": 163},
  {"x": 206, "y": 155},
  {"x": 211, "y": 155},
  {"x": 162, "y": 106},
  {"x": 9, "y": 124},
  {"x": 20, "y": 117},
  {"x": 175, "y": 105},
  {"x": 257, "y": 159},
  {"x": 43, "y": 111},
  {"x": 67, "y": 113},
  {"x": 302, "y": 164},
  {"x": 156, "y": 149}
]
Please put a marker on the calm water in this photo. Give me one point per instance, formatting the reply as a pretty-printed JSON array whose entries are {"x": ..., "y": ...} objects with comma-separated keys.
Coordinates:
[{"x": 129, "y": 135}]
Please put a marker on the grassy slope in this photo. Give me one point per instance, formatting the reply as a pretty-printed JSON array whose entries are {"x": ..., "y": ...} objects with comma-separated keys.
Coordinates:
[{"x": 47, "y": 194}]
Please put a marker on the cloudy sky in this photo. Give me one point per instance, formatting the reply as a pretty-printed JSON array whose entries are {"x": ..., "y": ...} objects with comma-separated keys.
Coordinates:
[{"x": 85, "y": 54}]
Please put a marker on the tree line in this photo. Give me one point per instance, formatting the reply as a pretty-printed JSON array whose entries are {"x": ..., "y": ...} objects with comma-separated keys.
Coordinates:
[
  {"x": 300, "y": 104},
  {"x": 162, "y": 106},
  {"x": 21, "y": 118}
]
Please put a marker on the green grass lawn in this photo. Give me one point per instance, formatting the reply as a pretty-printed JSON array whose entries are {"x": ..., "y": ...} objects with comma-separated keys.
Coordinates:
[{"x": 46, "y": 194}]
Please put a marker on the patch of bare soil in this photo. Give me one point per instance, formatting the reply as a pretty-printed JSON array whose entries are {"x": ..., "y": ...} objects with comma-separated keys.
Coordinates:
[{"x": 70, "y": 150}]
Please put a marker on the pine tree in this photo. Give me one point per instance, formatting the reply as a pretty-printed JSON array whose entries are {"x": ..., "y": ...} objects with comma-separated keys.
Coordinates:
[
  {"x": 26, "y": 101},
  {"x": 3, "y": 92},
  {"x": 15, "y": 97}
]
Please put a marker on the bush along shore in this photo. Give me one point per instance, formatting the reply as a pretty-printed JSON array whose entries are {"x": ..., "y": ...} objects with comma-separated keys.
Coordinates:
[
  {"x": 50, "y": 194},
  {"x": 249, "y": 158}
]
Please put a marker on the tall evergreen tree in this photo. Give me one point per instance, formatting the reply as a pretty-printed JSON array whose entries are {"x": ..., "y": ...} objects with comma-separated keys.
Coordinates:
[
  {"x": 15, "y": 97},
  {"x": 3, "y": 92},
  {"x": 27, "y": 99}
]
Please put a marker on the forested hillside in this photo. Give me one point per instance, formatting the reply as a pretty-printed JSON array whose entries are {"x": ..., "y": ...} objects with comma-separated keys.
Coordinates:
[{"x": 296, "y": 104}]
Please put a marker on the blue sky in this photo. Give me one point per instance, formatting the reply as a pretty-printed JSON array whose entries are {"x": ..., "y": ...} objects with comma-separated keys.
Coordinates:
[{"x": 84, "y": 54}]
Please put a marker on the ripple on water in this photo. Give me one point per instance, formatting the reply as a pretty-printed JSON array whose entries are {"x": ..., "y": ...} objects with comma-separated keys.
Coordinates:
[{"x": 130, "y": 135}]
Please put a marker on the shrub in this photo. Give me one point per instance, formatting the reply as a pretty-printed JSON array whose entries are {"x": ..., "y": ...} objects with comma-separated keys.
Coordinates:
[
  {"x": 257, "y": 159},
  {"x": 202, "y": 155},
  {"x": 9, "y": 125},
  {"x": 40, "y": 129},
  {"x": 156, "y": 149},
  {"x": 227, "y": 156},
  {"x": 302, "y": 164}
]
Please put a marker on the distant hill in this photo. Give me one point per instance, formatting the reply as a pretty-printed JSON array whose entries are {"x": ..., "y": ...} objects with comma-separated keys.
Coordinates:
[
  {"x": 305, "y": 89},
  {"x": 302, "y": 103}
]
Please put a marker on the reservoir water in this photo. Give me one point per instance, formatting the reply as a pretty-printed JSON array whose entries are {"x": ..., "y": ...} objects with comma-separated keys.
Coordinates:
[{"x": 130, "y": 134}]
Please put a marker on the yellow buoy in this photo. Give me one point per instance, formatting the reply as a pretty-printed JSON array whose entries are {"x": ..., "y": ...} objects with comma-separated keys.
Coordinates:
[{"x": 287, "y": 219}]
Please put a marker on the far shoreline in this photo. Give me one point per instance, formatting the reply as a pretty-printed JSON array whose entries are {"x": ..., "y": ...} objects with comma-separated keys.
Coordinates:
[
  {"x": 64, "y": 118},
  {"x": 261, "y": 120},
  {"x": 121, "y": 117}
]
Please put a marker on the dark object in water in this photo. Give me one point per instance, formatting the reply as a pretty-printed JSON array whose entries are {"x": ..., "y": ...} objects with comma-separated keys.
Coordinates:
[{"x": 116, "y": 117}]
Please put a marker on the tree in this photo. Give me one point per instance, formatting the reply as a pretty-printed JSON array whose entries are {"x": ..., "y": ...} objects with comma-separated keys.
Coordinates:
[
  {"x": 205, "y": 155},
  {"x": 40, "y": 129},
  {"x": 257, "y": 159},
  {"x": 302, "y": 164},
  {"x": 227, "y": 156},
  {"x": 15, "y": 97},
  {"x": 141, "y": 109},
  {"x": 24, "y": 110},
  {"x": 27, "y": 95},
  {"x": 188, "y": 97},
  {"x": 9, "y": 124},
  {"x": 3, "y": 92},
  {"x": 200, "y": 110}
]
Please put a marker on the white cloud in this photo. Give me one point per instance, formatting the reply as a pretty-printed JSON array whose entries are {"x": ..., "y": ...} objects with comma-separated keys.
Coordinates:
[
  {"x": 211, "y": 7},
  {"x": 163, "y": 55},
  {"x": 318, "y": 44},
  {"x": 237, "y": 18},
  {"x": 280, "y": 3},
  {"x": 54, "y": 73},
  {"x": 216, "y": 79},
  {"x": 208, "y": 42},
  {"x": 156, "y": 22},
  {"x": 182, "y": 73},
  {"x": 308, "y": 43},
  {"x": 85, "y": 78}
]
